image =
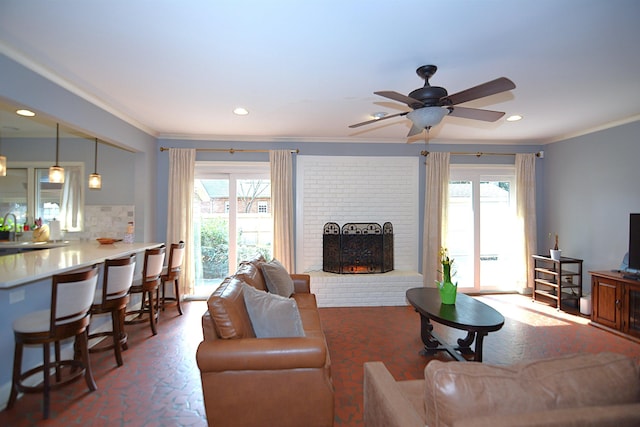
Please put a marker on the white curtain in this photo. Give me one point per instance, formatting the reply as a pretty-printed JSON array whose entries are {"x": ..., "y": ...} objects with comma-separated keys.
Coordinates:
[
  {"x": 72, "y": 201},
  {"x": 180, "y": 210},
  {"x": 435, "y": 215},
  {"x": 281, "y": 163},
  {"x": 526, "y": 213}
]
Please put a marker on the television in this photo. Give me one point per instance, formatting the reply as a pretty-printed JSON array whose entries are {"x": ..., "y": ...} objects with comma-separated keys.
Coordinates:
[{"x": 634, "y": 242}]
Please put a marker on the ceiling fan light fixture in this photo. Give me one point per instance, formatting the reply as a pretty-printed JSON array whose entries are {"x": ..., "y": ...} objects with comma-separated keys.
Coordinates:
[
  {"x": 427, "y": 116},
  {"x": 378, "y": 115},
  {"x": 514, "y": 118}
]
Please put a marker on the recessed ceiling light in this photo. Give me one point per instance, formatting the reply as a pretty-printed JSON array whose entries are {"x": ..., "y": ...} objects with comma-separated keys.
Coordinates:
[
  {"x": 379, "y": 115},
  {"x": 241, "y": 111},
  {"x": 514, "y": 118},
  {"x": 26, "y": 113}
]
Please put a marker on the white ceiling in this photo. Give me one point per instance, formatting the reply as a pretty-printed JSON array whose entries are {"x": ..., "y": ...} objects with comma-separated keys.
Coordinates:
[{"x": 307, "y": 69}]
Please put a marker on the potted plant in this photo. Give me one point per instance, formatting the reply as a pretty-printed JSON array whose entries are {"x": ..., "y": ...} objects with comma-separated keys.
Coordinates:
[
  {"x": 7, "y": 231},
  {"x": 555, "y": 253}
]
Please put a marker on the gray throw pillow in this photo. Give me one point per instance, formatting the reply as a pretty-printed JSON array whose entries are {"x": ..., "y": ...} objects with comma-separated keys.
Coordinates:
[
  {"x": 277, "y": 278},
  {"x": 272, "y": 316}
]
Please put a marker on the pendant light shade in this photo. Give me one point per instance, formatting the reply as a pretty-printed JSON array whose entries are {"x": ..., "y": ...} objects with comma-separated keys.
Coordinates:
[
  {"x": 56, "y": 173},
  {"x": 3, "y": 162},
  {"x": 95, "y": 180}
]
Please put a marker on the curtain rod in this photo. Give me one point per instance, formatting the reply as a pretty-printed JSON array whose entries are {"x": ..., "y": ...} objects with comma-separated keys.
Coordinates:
[
  {"x": 230, "y": 150},
  {"x": 539, "y": 154}
]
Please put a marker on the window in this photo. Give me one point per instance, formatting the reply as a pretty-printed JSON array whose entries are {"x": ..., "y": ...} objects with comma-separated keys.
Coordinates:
[
  {"x": 481, "y": 227},
  {"x": 27, "y": 193}
]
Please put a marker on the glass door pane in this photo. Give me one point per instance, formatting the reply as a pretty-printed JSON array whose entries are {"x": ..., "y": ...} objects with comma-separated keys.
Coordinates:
[
  {"x": 254, "y": 223},
  {"x": 496, "y": 237},
  {"x": 211, "y": 232},
  {"x": 460, "y": 235}
]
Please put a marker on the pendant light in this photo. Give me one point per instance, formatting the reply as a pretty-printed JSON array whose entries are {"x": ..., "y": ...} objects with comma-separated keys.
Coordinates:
[
  {"x": 95, "y": 180},
  {"x": 56, "y": 173},
  {"x": 3, "y": 162}
]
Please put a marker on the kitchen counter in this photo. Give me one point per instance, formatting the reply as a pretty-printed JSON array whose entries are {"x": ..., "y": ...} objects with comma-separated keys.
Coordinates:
[
  {"x": 33, "y": 245},
  {"x": 25, "y": 267},
  {"x": 10, "y": 248}
]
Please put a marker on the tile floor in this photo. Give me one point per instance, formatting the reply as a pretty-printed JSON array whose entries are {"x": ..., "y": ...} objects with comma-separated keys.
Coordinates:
[{"x": 159, "y": 384}]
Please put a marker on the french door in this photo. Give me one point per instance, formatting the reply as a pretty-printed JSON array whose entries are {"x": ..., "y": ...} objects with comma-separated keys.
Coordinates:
[
  {"x": 481, "y": 227},
  {"x": 232, "y": 219}
]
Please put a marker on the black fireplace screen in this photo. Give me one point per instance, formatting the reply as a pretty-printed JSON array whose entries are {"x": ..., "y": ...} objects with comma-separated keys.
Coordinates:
[{"x": 357, "y": 248}]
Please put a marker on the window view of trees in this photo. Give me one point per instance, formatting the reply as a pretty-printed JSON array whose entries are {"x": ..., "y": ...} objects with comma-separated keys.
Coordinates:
[{"x": 231, "y": 228}]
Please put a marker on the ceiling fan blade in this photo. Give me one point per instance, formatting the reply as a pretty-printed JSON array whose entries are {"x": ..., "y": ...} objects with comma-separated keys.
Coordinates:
[
  {"x": 377, "y": 120},
  {"x": 413, "y": 103},
  {"x": 498, "y": 85},
  {"x": 476, "y": 114}
]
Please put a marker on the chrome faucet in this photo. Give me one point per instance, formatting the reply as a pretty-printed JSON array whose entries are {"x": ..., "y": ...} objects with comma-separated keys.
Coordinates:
[{"x": 15, "y": 224}]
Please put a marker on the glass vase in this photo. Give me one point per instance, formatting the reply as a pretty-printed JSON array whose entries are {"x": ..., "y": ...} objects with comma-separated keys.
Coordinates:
[{"x": 448, "y": 292}]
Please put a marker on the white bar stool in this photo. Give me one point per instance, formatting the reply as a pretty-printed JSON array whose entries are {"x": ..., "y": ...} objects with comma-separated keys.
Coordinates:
[
  {"x": 112, "y": 298},
  {"x": 171, "y": 273},
  {"x": 71, "y": 298},
  {"x": 148, "y": 285}
]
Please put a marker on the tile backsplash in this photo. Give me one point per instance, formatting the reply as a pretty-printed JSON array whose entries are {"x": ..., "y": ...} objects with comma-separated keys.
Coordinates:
[{"x": 107, "y": 220}]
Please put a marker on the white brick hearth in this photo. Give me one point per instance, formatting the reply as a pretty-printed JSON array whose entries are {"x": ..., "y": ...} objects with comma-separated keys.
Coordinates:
[
  {"x": 352, "y": 290},
  {"x": 344, "y": 189}
]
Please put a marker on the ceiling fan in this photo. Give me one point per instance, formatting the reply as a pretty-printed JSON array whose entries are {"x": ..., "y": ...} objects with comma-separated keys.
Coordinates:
[{"x": 429, "y": 104}]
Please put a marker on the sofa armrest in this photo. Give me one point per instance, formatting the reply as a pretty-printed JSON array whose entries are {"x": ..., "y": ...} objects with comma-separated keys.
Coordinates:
[
  {"x": 261, "y": 354},
  {"x": 592, "y": 416},
  {"x": 384, "y": 403},
  {"x": 301, "y": 283}
]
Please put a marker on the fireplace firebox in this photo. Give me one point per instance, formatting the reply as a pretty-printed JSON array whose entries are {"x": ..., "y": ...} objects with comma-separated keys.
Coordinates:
[{"x": 357, "y": 248}]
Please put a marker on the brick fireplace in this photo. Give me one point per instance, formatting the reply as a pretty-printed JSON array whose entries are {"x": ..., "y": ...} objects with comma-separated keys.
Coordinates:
[{"x": 358, "y": 189}]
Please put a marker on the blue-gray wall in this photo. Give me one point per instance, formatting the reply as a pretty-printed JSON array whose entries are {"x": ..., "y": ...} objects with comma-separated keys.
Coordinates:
[
  {"x": 30, "y": 90},
  {"x": 590, "y": 185},
  {"x": 587, "y": 185}
]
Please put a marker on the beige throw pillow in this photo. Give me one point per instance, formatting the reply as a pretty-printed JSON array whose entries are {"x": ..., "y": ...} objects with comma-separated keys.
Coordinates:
[
  {"x": 271, "y": 315},
  {"x": 277, "y": 278}
]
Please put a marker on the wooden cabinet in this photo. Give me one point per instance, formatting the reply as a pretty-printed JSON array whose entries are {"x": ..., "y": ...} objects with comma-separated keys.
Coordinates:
[
  {"x": 557, "y": 282},
  {"x": 616, "y": 302}
]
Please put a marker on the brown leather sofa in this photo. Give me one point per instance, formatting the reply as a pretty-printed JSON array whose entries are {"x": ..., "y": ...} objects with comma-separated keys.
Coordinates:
[
  {"x": 576, "y": 390},
  {"x": 249, "y": 381}
]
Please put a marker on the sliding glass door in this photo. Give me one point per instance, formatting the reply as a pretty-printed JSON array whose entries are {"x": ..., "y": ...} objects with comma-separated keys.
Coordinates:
[
  {"x": 481, "y": 227},
  {"x": 232, "y": 219}
]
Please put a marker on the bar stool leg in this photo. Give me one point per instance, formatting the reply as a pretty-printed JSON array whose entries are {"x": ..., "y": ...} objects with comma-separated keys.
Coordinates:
[
  {"x": 17, "y": 366},
  {"x": 152, "y": 313},
  {"x": 122, "y": 315},
  {"x": 83, "y": 339},
  {"x": 117, "y": 336},
  {"x": 176, "y": 292},
  {"x": 46, "y": 387}
]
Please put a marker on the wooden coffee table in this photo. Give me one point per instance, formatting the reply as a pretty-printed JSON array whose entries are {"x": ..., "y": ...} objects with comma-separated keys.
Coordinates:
[{"x": 468, "y": 314}]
